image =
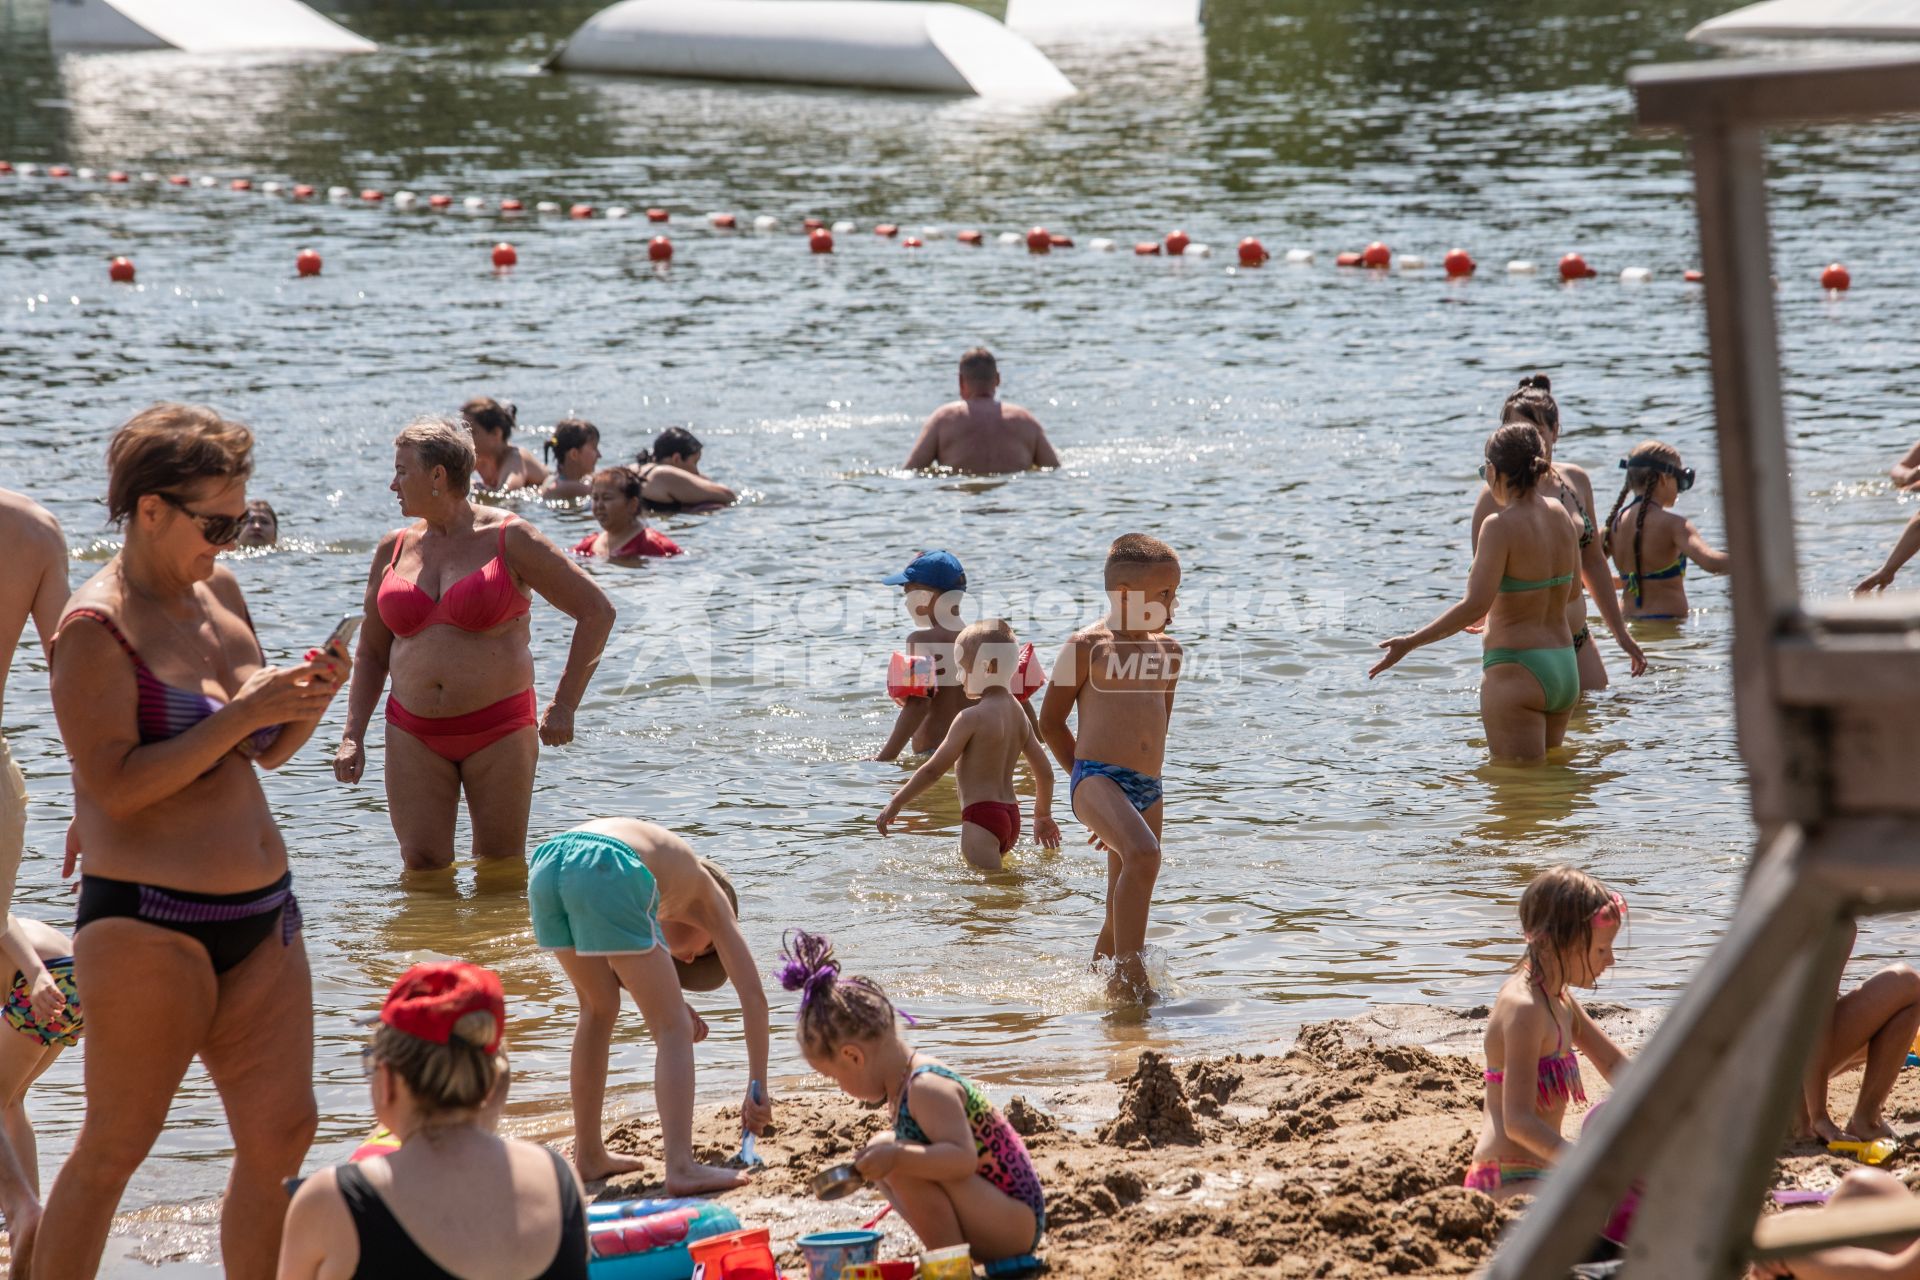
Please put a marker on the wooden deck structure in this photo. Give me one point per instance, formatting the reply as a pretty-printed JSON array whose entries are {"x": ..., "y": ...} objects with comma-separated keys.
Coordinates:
[{"x": 1827, "y": 704}]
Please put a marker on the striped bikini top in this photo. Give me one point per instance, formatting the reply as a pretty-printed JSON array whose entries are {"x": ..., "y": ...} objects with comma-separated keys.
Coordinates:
[{"x": 164, "y": 710}]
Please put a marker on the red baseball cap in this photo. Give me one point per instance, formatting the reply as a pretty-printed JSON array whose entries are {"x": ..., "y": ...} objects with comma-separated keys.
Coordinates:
[{"x": 430, "y": 998}]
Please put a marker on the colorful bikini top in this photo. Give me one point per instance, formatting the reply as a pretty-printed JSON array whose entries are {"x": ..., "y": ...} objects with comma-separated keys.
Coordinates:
[
  {"x": 1003, "y": 1158},
  {"x": 1632, "y": 581},
  {"x": 1586, "y": 521},
  {"x": 163, "y": 710},
  {"x": 1520, "y": 584},
  {"x": 480, "y": 601},
  {"x": 1559, "y": 1074},
  {"x": 648, "y": 542}
]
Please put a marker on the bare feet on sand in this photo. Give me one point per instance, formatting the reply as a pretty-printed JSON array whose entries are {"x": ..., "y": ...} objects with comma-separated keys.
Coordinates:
[
  {"x": 605, "y": 1164},
  {"x": 1868, "y": 1128},
  {"x": 699, "y": 1179}
]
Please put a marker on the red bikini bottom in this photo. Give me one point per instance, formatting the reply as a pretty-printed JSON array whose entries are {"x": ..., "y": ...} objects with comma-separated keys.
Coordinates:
[
  {"x": 1001, "y": 820},
  {"x": 455, "y": 738}
]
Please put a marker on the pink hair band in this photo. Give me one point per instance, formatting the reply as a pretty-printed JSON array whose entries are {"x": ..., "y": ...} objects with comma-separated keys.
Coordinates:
[{"x": 1616, "y": 908}]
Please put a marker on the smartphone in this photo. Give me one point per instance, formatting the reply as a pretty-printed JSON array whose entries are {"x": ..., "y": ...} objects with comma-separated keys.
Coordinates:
[{"x": 342, "y": 636}]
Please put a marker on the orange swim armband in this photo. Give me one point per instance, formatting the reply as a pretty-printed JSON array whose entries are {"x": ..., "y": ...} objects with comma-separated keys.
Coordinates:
[
  {"x": 1028, "y": 678},
  {"x": 909, "y": 677}
]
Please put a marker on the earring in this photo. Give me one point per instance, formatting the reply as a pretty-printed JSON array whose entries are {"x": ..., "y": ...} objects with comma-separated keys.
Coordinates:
[{"x": 436, "y": 493}]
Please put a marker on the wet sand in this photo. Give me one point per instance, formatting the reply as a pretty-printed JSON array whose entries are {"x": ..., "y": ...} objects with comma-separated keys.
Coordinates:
[{"x": 1341, "y": 1157}]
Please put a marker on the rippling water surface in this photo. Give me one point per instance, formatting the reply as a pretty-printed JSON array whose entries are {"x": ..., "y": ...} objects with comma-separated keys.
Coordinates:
[{"x": 1305, "y": 437}]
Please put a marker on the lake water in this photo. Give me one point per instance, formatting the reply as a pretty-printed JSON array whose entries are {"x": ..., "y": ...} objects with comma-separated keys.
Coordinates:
[{"x": 1305, "y": 437}]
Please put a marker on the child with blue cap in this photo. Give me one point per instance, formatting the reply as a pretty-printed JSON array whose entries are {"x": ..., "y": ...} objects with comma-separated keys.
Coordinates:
[{"x": 924, "y": 679}]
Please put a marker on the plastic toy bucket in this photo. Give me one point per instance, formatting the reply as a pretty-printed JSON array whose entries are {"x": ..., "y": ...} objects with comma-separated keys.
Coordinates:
[
  {"x": 737, "y": 1255},
  {"x": 947, "y": 1264},
  {"x": 828, "y": 1252}
]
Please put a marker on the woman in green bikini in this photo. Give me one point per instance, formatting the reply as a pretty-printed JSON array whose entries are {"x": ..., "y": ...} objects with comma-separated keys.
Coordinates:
[
  {"x": 1521, "y": 581},
  {"x": 1646, "y": 531}
]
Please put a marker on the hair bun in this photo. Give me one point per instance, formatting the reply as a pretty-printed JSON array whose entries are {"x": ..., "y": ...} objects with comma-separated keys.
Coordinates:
[
  {"x": 1537, "y": 382},
  {"x": 475, "y": 1029}
]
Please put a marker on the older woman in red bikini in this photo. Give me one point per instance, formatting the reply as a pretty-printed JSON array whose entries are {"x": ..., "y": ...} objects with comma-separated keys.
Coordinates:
[{"x": 446, "y": 616}]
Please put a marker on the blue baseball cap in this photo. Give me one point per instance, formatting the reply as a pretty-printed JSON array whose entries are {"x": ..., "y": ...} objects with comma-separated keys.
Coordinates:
[{"x": 937, "y": 569}]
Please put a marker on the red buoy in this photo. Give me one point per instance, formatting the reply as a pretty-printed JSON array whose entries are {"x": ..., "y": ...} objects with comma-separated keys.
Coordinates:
[
  {"x": 440, "y": 202},
  {"x": 1835, "y": 278},
  {"x": 820, "y": 240},
  {"x": 1376, "y": 255},
  {"x": 911, "y": 242},
  {"x": 1177, "y": 242},
  {"x": 886, "y": 229},
  {"x": 1058, "y": 241},
  {"x": 178, "y": 179},
  {"x": 970, "y": 237},
  {"x": 1252, "y": 252},
  {"x": 1574, "y": 267},
  {"x": 116, "y": 176},
  {"x": 120, "y": 271},
  {"x": 1347, "y": 259},
  {"x": 59, "y": 171},
  {"x": 812, "y": 224},
  {"x": 1695, "y": 275},
  {"x": 303, "y": 192},
  {"x": 656, "y": 215},
  {"x": 1458, "y": 262},
  {"x": 580, "y": 211},
  {"x": 659, "y": 249},
  {"x": 504, "y": 256},
  {"x": 372, "y": 196},
  {"x": 307, "y": 262},
  {"x": 241, "y": 184},
  {"x": 1147, "y": 248},
  {"x": 6, "y": 166},
  {"x": 510, "y": 205},
  {"x": 1038, "y": 241},
  {"x": 724, "y": 221}
]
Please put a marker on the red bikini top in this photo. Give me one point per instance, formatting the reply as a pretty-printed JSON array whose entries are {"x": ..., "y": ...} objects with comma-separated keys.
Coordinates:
[{"x": 480, "y": 601}]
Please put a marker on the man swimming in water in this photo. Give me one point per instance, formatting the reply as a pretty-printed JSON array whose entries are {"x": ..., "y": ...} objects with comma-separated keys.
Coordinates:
[{"x": 978, "y": 433}]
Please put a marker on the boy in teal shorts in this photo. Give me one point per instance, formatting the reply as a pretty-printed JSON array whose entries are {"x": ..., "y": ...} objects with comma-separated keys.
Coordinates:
[{"x": 623, "y": 903}]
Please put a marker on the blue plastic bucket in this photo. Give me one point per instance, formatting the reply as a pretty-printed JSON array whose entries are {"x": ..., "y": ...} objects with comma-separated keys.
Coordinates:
[{"x": 828, "y": 1251}]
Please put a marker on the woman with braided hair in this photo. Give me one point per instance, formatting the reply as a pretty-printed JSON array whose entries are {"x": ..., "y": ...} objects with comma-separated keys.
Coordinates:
[
  {"x": 1522, "y": 578},
  {"x": 1533, "y": 403},
  {"x": 951, "y": 1164},
  {"x": 1656, "y": 479}
]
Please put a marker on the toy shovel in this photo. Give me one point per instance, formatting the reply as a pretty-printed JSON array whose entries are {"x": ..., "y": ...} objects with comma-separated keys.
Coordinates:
[
  {"x": 1879, "y": 1151},
  {"x": 748, "y": 1156}
]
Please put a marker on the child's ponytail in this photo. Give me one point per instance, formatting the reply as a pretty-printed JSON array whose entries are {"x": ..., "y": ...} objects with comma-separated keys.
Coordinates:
[{"x": 833, "y": 1009}]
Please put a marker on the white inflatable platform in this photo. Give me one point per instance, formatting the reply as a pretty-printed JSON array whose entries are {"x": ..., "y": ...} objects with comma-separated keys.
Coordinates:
[
  {"x": 1103, "y": 17},
  {"x": 198, "y": 26},
  {"x": 872, "y": 44},
  {"x": 1814, "y": 20}
]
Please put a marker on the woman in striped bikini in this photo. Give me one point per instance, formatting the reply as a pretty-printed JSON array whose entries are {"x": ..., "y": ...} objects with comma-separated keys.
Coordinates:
[
  {"x": 188, "y": 940},
  {"x": 1537, "y": 1030}
]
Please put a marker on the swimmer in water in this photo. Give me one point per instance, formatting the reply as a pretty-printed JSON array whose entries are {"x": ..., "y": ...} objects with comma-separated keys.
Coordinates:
[
  {"x": 1521, "y": 580},
  {"x": 624, "y": 535},
  {"x": 982, "y": 746},
  {"x": 499, "y": 465},
  {"x": 670, "y": 478},
  {"x": 1537, "y": 1030},
  {"x": 934, "y": 585},
  {"x": 1119, "y": 675},
  {"x": 978, "y": 433},
  {"x": 1656, "y": 480},
  {"x": 262, "y": 526},
  {"x": 1903, "y": 551},
  {"x": 574, "y": 450},
  {"x": 1533, "y": 403}
]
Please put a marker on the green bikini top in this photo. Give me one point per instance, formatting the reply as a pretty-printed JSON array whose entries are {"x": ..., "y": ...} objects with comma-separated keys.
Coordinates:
[{"x": 1519, "y": 584}]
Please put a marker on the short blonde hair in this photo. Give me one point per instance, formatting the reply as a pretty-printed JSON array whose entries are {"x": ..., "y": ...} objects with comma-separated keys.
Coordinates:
[
  {"x": 454, "y": 1076},
  {"x": 441, "y": 441},
  {"x": 995, "y": 635}
]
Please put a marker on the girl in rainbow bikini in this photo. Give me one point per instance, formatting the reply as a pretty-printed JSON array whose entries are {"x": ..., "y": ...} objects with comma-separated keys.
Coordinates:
[{"x": 1537, "y": 1030}]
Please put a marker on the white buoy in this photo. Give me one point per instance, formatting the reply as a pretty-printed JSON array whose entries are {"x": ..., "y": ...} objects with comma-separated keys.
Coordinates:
[
  {"x": 1521, "y": 267},
  {"x": 1101, "y": 244},
  {"x": 1635, "y": 275},
  {"x": 27, "y": 170},
  {"x": 149, "y": 176},
  {"x": 208, "y": 180},
  {"x": 1198, "y": 251},
  {"x": 766, "y": 222},
  {"x": 474, "y": 203},
  {"x": 1300, "y": 257},
  {"x": 869, "y": 44},
  {"x": 1011, "y": 237},
  {"x": 845, "y": 227},
  {"x": 405, "y": 199},
  {"x": 616, "y": 211},
  {"x": 270, "y": 188},
  {"x": 932, "y": 233},
  {"x": 1412, "y": 262},
  {"x": 546, "y": 206},
  {"x": 339, "y": 194},
  {"x": 85, "y": 175}
]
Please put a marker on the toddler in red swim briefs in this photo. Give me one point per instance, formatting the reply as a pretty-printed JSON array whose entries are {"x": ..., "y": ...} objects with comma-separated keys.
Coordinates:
[{"x": 986, "y": 741}]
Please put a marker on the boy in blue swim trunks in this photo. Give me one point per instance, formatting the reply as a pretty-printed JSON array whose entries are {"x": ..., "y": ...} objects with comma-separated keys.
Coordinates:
[
  {"x": 1120, "y": 675},
  {"x": 623, "y": 903}
]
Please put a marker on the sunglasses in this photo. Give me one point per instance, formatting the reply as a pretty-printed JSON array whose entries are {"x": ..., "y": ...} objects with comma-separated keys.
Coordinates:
[{"x": 218, "y": 530}]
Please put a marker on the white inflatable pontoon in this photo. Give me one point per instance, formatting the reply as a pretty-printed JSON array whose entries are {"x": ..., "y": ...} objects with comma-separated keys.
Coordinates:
[
  {"x": 1814, "y": 20},
  {"x": 873, "y": 44},
  {"x": 1099, "y": 17},
  {"x": 198, "y": 26}
]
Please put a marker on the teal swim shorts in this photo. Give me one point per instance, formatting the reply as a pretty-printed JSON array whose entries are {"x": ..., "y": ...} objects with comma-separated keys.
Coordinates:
[{"x": 590, "y": 893}]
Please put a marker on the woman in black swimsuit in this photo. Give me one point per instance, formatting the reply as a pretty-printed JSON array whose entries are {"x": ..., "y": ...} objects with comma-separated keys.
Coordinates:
[
  {"x": 670, "y": 478},
  {"x": 1532, "y": 402},
  {"x": 189, "y": 941},
  {"x": 454, "y": 1200}
]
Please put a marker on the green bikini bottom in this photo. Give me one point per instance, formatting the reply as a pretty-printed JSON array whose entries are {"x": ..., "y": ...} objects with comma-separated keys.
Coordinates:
[{"x": 1557, "y": 670}]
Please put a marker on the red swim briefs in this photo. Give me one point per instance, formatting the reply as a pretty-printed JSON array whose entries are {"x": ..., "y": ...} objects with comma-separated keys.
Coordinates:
[{"x": 1001, "y": 820}]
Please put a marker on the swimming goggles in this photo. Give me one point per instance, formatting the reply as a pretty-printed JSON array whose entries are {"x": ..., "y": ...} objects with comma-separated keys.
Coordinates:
[{"x": 1683, "y": 476}]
